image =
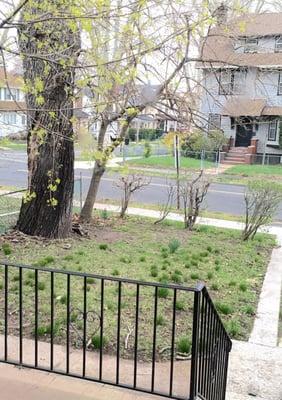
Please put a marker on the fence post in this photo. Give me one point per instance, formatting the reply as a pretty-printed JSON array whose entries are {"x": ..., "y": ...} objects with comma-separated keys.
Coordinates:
[
  {"x": 195, "y": 346},
  {"x": 80, "y": 190}
]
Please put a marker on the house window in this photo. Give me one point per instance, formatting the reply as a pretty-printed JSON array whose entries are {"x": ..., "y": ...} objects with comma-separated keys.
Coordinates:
[
  {"x": 10, "y": 118},
  {"x": 251, "y": 45},
  {"x": 23, "y": 119},
  {"x": 279, "y": 92},
  {"x": 214, "y": 122},
  {"x": 232, "y": 81},
  {"x": 272, "y": 131},
  {"x": 11, "y": 94},
  {"x": 278, "y": 44}
]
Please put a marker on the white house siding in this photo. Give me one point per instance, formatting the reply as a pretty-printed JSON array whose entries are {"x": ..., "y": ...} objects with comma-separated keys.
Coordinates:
[{"x": 11, "y": 122}]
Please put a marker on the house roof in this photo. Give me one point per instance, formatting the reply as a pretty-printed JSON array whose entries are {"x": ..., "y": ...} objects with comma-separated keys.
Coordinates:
[
  {"x": 237, "y": 106},
  {"x": 218, "y": 48},
  {"x": 12, "y": 105}
]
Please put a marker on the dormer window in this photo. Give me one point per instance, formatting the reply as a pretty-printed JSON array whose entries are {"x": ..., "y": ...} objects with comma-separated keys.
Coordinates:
[
  {"x": 278, "y": 44},
  {"x": 251, "y": 45}
]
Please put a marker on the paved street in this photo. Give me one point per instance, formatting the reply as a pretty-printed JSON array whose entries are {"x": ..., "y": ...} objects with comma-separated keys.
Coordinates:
[{"x": 221, "y": 197}]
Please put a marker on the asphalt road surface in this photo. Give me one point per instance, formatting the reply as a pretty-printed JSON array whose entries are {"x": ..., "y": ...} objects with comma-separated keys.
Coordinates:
[{"x": 220, "y": 198}]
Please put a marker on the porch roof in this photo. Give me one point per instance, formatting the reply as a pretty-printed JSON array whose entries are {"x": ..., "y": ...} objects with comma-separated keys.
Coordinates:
[
  {"x": 237, "y": 107},
  {"x": 276, "y": 110}
]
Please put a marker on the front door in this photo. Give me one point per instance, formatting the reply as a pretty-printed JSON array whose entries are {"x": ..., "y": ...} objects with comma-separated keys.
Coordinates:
[{"x": 244, "y": 133}]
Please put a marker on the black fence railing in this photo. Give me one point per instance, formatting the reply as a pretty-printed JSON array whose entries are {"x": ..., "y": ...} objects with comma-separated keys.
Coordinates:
[{"x": 150, "y": 337}]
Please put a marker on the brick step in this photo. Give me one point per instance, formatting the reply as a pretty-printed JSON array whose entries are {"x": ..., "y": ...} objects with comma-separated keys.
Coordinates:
[{"x": 239, "y": 149}]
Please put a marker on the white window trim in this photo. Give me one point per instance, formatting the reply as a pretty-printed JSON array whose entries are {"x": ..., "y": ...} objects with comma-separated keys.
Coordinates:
[
  {"x": 251, "y": 45},
  {"x": 276, "y": 131},
  {"x": 278, "y": 44}
]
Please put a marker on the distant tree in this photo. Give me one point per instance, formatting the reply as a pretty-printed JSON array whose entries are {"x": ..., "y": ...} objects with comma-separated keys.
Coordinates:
[{"x": 261, "y": 203}]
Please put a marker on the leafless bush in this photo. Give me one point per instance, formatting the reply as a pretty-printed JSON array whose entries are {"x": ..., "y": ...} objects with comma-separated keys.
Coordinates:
[
  {"x": 168, "y": 205},
  {"x": 261, "y": 201},
  {"x": 192, "y": 194},
  {"x": 130, "y": 184}
]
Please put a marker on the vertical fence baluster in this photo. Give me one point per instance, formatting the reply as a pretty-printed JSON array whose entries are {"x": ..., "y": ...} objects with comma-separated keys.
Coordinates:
[
  {"x": 6, "y": 313},
  {"x": 204, "y": 341},
  {"x": 211, "y": 345},
  {"x": 68, "y": 326},
  {"x": 52, "y": 321},
  {"x": 154, "y": 339},
  {"x": 195, "y": 342},
  {"x": 84, "y": 325},
  {"x": 172, "y": 343},
  {"x": 201, "y": 328},
  {"x": 207, "y": 347},
  {"x": 101, "y": 331},
  {"x": 36, "y": 319},
  {"x": 136, "y": 336},
  {"x": 21, "y": 315},
  {"x": 118, "y": 333}
]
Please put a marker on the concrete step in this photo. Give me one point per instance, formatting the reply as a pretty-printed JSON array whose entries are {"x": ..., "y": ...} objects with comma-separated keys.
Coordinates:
[
  {"x": 240, "y": 159},
  {"x": 232, "y": 162},
  {"x": 234, "y": 154}
]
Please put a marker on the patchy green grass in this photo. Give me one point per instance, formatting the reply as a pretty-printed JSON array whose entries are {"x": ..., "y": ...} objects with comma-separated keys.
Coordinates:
[
  {"x": 233, "y": 271},
  {"x": 12, "y": 144},
  {"x": 168, "y": 162},
  {"x": 240, "y": 174}
]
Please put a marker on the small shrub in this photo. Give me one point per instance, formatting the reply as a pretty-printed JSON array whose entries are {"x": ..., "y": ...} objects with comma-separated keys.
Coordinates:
[
  {"x": 243, "y": 287},
  {"x": 63, "y": 299},
  {"x": 45, "y": 261},
  {"x": 104, "y": 214},
  {"x": 90, "y": 280},
  {"x": 103, "y": 246},
  {"x": 164, "y": 255},
  {"x": 249, "y": 310},
  {"x": 209, "y": 249},
  {"x": 6, "y": 249},
  {"x": 173, "y": 245},
  {"x": 194, "y": 263},
  {"x": 187, "y": 265},
  {"x": 184, "y": 345},
  {"x": 97, "y": 342},
  {"x": 41, "y": 285},
  {"x": 209, "y": 275},
  {"x": 69, "y": 257},
  {"x": 160, "y": 320},
  {"x": 154, "y": 271},
  {"x": 216, "y": 251},
  {"x": 31, "y": 274},
  {"x": 217, "y": 268},
  {"x": 204, "y": 254},
  {"x": 41, "y": 330},
  {"x": 176, "y": 278},
  {"x": 164, "y": 278},
  {"x": 194, "y": 275},
  {"x": 233, "y": 328},
  {"x": 217, "y": 262},
  {"x": 224, "y": 308},
  {"x": 178, "y": 272},
  {"x": 163, "y": 292},
  {"x": 232, "y": 283},
  {"x": 142, "y": 259},
  {"x": 164, "y": 267},
  {"x": 16, "y": 278},
  {"x": 179, "y": 305},
  {"x": 214, "y": 286},
  {"x": 115, "y": 272}
]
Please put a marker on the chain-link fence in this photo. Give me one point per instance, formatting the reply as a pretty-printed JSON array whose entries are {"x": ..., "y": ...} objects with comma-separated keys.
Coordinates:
[
  {"x": 10, "y": 204},
  {"x": 266, "y": 159}
]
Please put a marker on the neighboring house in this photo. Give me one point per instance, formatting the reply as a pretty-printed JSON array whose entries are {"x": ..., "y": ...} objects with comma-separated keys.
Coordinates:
[
  {"x": 12, "y": 104},
  {"x": 242, "y": 76}
]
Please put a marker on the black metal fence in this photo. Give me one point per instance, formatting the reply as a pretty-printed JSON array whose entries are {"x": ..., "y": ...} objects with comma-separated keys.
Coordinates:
[{"x": 151, "y": 337}]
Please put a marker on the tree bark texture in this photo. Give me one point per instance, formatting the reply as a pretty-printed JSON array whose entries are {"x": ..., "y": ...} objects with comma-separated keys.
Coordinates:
[{"x": 49, "y": 51}]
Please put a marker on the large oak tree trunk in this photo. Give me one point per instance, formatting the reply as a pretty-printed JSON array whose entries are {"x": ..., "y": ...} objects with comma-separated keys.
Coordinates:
[{"x": 47, "y": 208}]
